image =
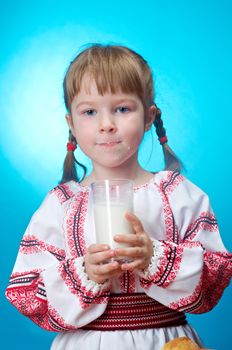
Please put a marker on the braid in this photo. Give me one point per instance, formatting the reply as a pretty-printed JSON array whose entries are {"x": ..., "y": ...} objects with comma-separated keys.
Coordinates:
[
  {"x": 160, "y": 131},
  {"x": 69, "y": 167},
  {"x": 172, "y": 162}
]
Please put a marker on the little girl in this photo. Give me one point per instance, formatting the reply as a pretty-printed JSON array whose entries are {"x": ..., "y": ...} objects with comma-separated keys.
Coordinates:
[{"x": 177, "y": 263}]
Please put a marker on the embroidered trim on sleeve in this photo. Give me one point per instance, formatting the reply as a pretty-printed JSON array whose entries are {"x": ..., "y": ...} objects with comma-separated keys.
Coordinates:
[
  {"x": 216, "y": 277},
  {"x": 30, "y": 244},
  {"x": 206, "y": 221},
  {"x": 157, "y": 254},
  {"x": 78, "y": 282},
  {"x": 165, "y": 267},
  {"x": 63, "y": 192}
]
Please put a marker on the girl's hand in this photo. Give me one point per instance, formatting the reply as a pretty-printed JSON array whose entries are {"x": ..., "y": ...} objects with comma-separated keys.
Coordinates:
[
  {"x": 97, "y": 265},
  {"x": 141, "y": 247}
]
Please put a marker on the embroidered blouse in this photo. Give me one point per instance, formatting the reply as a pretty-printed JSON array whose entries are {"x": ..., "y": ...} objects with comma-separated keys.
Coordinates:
[{"x": 189, "y": 270}]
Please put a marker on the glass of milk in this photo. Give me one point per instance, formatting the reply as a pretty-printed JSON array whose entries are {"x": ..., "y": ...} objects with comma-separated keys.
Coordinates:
[{"x": 111, "y": 200}]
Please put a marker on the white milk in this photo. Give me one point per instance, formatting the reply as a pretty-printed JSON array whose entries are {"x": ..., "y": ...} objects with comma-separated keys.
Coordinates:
[{"x": 110, "y": 220}]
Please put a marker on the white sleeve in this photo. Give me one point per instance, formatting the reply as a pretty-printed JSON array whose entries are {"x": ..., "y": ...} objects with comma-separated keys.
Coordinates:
[
  {"x": 51, "y": 290},
  {"x": 190, "y": 268}
]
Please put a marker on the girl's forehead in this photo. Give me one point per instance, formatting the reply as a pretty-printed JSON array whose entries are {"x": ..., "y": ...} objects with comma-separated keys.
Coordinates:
[
  {"x": 89, "y": 86},
  {"x": 89, "y": 93}
]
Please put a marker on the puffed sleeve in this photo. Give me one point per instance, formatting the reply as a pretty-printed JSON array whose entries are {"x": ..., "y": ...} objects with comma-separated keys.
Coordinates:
[
  {"x": 191, "y": 267},
  {"x": 52, "y": 290}
]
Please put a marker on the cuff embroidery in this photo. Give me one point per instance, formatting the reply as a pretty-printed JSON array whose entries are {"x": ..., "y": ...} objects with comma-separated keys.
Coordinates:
[
  {"x": 151, "y": 270},
  {"x": 74, "y": 275},
  {"x": 86, "y": 282}
]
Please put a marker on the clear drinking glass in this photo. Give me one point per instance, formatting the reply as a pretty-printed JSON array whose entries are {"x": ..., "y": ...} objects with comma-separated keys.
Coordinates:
[{"x": 111, "y": 200}]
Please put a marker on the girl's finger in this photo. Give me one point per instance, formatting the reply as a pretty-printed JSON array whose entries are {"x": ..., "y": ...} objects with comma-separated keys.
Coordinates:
[
  {"x": 130, "y": 239},
  {"x": 135, "y": 222},
  {"x": 103, "y": 273},
  {"x": 105, "y": 269},
  {"x": 131, "y": 266},
  {"x": 100, "y": 257},
  {"x": 132, "y": 252},
  {"x": 95, "y": 248}
]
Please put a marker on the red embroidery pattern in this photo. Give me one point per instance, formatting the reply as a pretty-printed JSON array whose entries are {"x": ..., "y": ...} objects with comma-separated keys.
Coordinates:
[
  {"x": 24, "y": 298},
  {"x": 22, "y": 293},
  {"x": 150, "y": 182},
  {"x": 30, "y": 244},
  {"x": 216, "y": 277},
  {"x": 57, "y": 322},
  {"x": 127, "y": 282},
  {"x": 136, "y": 311},
  {"x": 167, "y": 268},
  {"x": 27, "y": 293},
  {"x": 76, "y": 286},
  {"x": 42, "y": 321},
  {"x": 206, "y": 222},
  {"x": 27, "y": 279},
  {"x": 175, "y": 261},
  {"x": 63, "y": 192},
  {"x": 51, "y": 321},
  {"x": 172, "y": 181},
  {"x": 74, "y": 224},
  {"x": 41, "y": 293},
  {"x": 172, "y": 233},
  {"x": 169, "y": 264},
  {"x": 193, "y": 300},
  {"x": 34, "y": 272}
]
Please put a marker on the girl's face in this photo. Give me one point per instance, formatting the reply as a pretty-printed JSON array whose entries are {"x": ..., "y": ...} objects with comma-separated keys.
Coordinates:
[{"x": 108, "y": 128}]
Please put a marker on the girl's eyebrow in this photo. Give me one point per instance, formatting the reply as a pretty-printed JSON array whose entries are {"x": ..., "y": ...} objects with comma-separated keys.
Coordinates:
[
  {"x": 83, "y": 103},
  {"x": 121, "y": 100},
  {"x": 129, "y": 99}
]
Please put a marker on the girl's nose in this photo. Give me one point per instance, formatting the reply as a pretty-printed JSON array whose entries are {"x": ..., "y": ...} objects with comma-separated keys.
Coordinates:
[{"x": 107, "y": 124}]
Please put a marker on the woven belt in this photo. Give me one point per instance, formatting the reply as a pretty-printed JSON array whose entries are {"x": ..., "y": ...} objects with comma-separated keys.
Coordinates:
[{"x": 135, "y": 311}]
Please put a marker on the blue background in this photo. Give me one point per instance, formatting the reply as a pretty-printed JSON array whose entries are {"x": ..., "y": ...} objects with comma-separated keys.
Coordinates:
[{"x": 188, "y": 45}]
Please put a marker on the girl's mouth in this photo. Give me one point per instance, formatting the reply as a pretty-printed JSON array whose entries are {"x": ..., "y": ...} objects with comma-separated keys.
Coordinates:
[{"x": 108, "y": 143}]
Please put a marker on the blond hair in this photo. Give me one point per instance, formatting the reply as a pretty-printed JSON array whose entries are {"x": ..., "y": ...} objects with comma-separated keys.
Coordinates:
[{"x": 114, "y": 69}]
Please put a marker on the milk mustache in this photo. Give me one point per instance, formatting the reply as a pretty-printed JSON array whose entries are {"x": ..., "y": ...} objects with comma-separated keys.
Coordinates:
[{"x": 111, "y": 200}]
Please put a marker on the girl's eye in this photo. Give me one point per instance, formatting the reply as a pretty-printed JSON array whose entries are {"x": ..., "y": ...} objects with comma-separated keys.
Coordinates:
[
  {"x": 122, "y": 109},
  {"x": 89, "y": 112}
]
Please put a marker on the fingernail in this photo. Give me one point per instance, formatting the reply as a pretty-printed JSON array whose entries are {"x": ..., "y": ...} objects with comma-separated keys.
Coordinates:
[
  {"x": 124, "y": 267},
  {"x": 117, "y": 251}
]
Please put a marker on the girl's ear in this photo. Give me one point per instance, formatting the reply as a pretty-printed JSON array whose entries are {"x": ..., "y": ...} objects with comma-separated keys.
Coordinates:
[
  {"x": 150, "y": 117},
  {"x": 70, "y": 123}
]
